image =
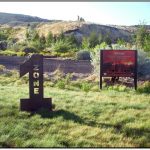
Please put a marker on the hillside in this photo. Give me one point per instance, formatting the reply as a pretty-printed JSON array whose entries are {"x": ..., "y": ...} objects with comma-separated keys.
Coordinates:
[
  {"x": 77, "y": 28},
  {"x": 18, "y": 19},
  {"x": 80, "y": 29}
]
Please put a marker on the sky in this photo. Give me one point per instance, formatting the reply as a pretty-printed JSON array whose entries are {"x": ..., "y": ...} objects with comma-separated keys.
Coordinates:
[{"x": 115, "y": 13}]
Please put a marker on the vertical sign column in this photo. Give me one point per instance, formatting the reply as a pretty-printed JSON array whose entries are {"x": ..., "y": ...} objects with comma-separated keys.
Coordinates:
[
  {"x": 135, "y": 71},
  {"x": 36, "y": 77},
  {"x": 34, "y": 66},
  {"x": 101, "y": 65}
]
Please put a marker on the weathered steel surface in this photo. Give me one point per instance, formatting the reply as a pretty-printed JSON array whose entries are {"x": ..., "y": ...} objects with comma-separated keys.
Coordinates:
[{"x": 34, "y": 66}]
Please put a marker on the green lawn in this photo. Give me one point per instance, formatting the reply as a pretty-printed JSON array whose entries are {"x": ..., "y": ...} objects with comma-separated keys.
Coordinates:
[{"x": 80, "y": 119}]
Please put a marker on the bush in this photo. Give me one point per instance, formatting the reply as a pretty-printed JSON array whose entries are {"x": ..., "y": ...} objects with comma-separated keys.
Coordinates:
[
  {"x": 2, "y": 68},
  {"x": 8, "y": 53},
  {"x": 49, "y": 39},
  {"x": 95, "y": 88},
  {"x": 85, "y": 86},
  {"x": 83, "y": 55},
  {"x": 60, "y": 84},
  {"x": 117, "y": 87},
  {"x": 61, "y": 46},
  {"x": 27, "y": 50},
  {"x": 143, "y": 64},
  {"x": 3, "y": 45},
  {"x": 95, "y": 57},
  {"x": 3, "y": 35},
  {"x": 76, "y": 84},
  {"x": 145, "y": 88},
  {"x": 57, "y": 75},
  {"x": 20, "y": 53}
]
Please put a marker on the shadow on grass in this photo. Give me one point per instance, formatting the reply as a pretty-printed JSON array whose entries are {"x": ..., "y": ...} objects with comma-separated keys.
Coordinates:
[
  {"x": 65, "y": 114},
  {"x": 118, "y": 127},
  {"x": 75, "y": 118}
]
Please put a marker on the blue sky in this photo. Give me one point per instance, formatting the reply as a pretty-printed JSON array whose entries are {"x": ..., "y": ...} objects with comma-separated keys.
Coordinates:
[{"x": 116, "y": 13}]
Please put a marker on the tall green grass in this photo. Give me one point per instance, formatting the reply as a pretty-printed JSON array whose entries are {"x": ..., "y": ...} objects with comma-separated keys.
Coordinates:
[{"x": 107, "y": 118}]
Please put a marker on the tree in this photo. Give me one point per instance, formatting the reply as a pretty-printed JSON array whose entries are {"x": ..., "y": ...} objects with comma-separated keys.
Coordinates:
[
  {"x": 49, "y": 39},
  {"x": 100, "y": 38},
  {"x": 72, "y": 40},
  {"x": 146, "y": 46},
  {"x": 107, "y": 40},
  {"x": 93, "y": 39},
  {"x": 142, "y": 38},
  {"x": 141, "y": 33},
  {"x": 43, "y": 42},
  {"x": 3, "y": 35},
  {"x": 85, "y": 43},
  {"x": 32, "y": 34},
  {"x": 120, "y": 41},
  {"x": 61, "y": 36},
  {"x": 35, "y": 36}
]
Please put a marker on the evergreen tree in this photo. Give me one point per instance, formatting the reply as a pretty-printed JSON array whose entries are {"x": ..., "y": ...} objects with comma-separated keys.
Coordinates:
[
  {"x": 49, "y": 39},
  {"x": 42, "y": 41},
  {"x": 61, "y": 36},
  {"x": 100, "y": 38},
  {"x": 72, "y": 40},
  {"x": 140, "y": 36},
  {"x": 120, "y": 42},
  {"x": 85, "y": 43},
  {"x": 93, "y": 39},
  {"x": 107, "y": 40}
]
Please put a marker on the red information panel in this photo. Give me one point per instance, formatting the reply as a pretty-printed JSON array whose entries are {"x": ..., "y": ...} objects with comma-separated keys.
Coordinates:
[{"x": 119, "y": 63}]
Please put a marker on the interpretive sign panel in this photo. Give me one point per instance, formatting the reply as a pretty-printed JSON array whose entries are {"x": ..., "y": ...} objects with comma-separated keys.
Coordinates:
[{"x": 118, "y": 63}]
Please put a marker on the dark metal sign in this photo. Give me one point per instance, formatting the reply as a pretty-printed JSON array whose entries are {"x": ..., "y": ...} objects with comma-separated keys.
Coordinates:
[
  {"x": 118, "y": 63},
  {"x": 34, "y": 66}
]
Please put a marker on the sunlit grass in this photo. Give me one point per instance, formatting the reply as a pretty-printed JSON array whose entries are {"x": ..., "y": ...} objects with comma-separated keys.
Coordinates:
[{"x": 107, "y": 118}]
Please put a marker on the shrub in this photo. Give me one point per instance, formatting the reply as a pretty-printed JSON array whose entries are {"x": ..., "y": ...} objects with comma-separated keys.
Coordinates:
[
  {"x": 93, "y": 39},
  {"x": 76, "y": 84},
  {"x": 85, "y": 43},
  {"x": 68, "y": 78},
  {"x": 83, "y": 55},
  {"x": 60, "y": 84},
  {"x": 117, "y": 87},
  {"x": 143, "y": 64},
  {"x": 8, "y": 53},
  {"x": 145, "y": 88},
  {"x": 70, "y": 54},
  {"x": 27, "y": 50},
  {"x": 20, "y": 53},
  {"x": 49, "y": 39},
  {"x": 95, "y": 57},
  {"x": 57, "y": 74},
  {"x": 2, "y": 68},
  {"x": 85, "y": 86},
  {"x": 15, "y": 47},
  {"x": 3, "y": 45},
  {"x": 95, "y": 88},
  {"x": 61, "y": 46},
  {"x": 3, "y": 35}
]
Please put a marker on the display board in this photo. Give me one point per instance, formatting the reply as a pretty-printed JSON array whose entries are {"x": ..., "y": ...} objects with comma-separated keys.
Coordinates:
[{"x": 118, "y": 63}]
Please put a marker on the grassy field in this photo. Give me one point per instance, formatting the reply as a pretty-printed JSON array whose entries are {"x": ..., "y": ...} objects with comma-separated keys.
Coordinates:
[{"x": 107, "y": 118}]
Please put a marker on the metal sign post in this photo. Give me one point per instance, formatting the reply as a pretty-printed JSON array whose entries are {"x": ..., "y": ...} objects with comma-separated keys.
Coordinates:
[
  {"x": 118, "y": 63},
  {"x": 34, "y": 66}
]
